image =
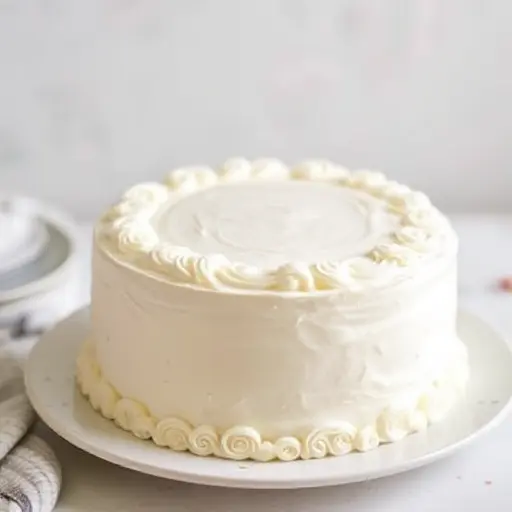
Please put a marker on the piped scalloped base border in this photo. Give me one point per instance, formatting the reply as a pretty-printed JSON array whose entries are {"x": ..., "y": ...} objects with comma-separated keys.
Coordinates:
[{"x": 244, "y": 442}]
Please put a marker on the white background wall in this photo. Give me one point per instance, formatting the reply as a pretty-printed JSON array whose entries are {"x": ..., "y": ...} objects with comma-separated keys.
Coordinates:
[{"x": 98, "y": 94}]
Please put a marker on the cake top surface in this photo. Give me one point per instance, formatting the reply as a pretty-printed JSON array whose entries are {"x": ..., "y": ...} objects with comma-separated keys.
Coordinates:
[
  {"x": 270, "y": 224},
  {"x": 262, "y": 226}
]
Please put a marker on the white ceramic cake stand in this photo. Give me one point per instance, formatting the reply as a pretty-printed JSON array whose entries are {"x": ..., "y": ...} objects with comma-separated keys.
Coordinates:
[{"x": 50, "y": 385}]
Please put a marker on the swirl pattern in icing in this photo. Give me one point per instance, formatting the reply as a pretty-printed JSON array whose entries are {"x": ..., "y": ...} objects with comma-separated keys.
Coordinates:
[
  {"x": 240, "y": 443},
  {"x": 243, "y": 442},
  {"x": 173, "y": 433},
  {"x": 128, "y": 231},
  {"x": 204, "y": 441}
]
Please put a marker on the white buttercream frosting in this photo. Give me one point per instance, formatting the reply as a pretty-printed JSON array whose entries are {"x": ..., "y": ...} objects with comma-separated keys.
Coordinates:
[
  {"x": 146, "y": 194},
  {"x": 319, "y": 170},
  {"x": 265, "y": 312},
  {"x": 244, "y": 442},
  {"x": 134, "y": 417},
  {"x": 173, "y": 433},
  {"x": 261, "y": 226},
  {"x": 190, "y": 179},
  {"x": 204, "y": 441}
]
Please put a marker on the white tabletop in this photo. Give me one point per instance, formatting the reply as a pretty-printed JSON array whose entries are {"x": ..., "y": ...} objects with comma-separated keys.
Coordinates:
[{"x": 478, "y": 478}]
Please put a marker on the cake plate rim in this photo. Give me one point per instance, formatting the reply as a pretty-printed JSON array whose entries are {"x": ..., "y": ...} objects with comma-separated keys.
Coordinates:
[{"x": 49, "y": 379}]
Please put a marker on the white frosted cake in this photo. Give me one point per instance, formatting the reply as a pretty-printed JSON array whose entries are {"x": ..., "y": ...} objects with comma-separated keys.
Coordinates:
[{"x": 263, "y": 312}]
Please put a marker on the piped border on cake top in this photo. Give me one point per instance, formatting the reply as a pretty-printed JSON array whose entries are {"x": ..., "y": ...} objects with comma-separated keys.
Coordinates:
[
  {"x": 242, "y": 442},
  {"x": 126, "y": 231}
]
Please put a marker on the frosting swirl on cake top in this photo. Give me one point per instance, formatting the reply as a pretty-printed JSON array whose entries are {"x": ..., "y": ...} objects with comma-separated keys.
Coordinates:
[{"x": 263, "y": 226}]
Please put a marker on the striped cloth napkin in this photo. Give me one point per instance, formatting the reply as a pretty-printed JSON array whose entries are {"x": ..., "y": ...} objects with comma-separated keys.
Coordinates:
[{"x": 30, "y": 476}]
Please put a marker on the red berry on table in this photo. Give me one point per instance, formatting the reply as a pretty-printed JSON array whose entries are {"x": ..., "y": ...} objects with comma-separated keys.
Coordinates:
[{"x": 506, "y": 284}]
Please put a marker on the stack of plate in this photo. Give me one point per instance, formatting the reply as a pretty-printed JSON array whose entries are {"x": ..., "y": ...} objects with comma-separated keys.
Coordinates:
[{"x": 39, "y": 273}]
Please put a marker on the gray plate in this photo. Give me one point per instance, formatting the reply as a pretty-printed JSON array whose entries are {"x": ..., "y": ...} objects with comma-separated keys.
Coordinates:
[{"x": 48, "y": 268}]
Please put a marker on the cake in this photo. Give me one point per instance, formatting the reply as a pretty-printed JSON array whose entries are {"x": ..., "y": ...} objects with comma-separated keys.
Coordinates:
[{"x": 263, "y": 312}]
